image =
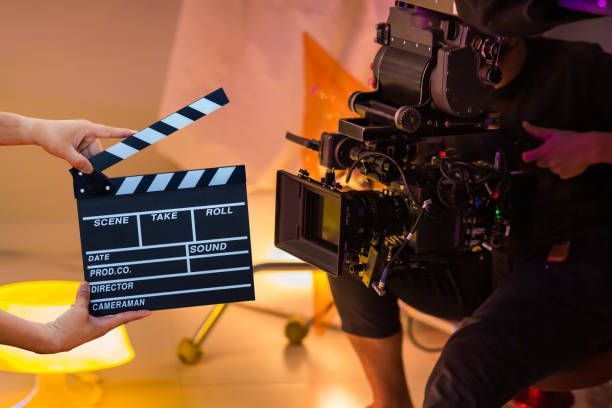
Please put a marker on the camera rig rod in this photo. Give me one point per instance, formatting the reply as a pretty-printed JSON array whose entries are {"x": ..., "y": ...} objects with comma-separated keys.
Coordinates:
[{"x": 307, "y": 143}]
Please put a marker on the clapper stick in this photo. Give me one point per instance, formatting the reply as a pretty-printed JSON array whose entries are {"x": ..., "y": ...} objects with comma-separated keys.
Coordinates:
[
  {"x": 159, "y": 130},
  {"x": 166, "y": 240}
]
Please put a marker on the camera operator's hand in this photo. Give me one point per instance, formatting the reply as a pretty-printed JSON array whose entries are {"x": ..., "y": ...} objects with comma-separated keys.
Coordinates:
[
  {"x": 568, "y": 153},
  {"x": 76, "y": 326}
]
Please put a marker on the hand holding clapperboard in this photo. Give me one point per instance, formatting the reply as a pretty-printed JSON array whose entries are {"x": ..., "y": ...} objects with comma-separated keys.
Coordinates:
[{"x": 167, "y": 240}]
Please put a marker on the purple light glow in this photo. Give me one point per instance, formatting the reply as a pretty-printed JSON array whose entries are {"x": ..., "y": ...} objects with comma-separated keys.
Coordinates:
[{"x": 600, "y": 7}]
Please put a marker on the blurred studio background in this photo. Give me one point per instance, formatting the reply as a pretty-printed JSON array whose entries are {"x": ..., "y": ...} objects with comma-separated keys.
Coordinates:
[{"x": 285, "y": 65}]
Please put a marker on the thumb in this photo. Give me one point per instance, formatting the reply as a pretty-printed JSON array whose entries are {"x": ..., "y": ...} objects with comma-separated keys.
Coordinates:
[
  {"x": 538, "y": 132},
  {"x": 82, "y": 297},
  {"x": 80, "y": 162}
]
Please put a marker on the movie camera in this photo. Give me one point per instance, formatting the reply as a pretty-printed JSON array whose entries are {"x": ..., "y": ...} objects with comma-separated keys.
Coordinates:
[{"x": 426, "y": 199}]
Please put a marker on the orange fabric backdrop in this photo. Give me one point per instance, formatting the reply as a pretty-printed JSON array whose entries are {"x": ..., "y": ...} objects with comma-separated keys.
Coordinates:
[{"x": 328, "y": 86}]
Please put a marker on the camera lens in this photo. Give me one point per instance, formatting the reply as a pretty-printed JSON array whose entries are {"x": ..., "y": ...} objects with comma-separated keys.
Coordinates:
[{"x": 370, "y": 215}]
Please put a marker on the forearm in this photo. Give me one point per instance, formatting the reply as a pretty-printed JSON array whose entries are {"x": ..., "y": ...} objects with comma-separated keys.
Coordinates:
[
  {"x": 16, "y": 129},
  {"x": 24, "y": 334}
]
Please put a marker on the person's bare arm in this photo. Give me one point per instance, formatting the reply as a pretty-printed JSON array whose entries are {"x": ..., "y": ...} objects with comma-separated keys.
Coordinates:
[
  {"x": 567, "y": 153},
  {"x": 72, "y": 140},
  {"x": 18, "y": 332},
  {"x": 73, "y": 328}
]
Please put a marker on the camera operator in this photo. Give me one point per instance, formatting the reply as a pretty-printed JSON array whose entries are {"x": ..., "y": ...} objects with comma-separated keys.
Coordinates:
[{"x": 553, "y": 310}]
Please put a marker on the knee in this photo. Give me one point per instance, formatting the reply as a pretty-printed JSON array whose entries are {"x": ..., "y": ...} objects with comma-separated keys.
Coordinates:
[{"x": 469, "y": 371}]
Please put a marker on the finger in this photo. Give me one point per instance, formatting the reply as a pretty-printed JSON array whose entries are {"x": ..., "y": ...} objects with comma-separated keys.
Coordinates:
[
  {"x": 110, "y": 322},
  {"x": 82, "y": 297},
  {"x": 79, "y": 162},
  {"x": 548, "y": 164},
  {"x": 543, "y": 164},
  {"x": 92, "y": 149},
  {"x": 557, "y": 170},
  {"x": 564, "y": 174},
  {"x": 111, "y": 132},
  {"x": 571, "y": 173},
  {"x": 534, "y": 154},
  {"x": 539, "y": 132}
]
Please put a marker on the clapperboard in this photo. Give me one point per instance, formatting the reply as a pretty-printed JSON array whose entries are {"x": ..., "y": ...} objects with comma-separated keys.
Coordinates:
[{"x": 168, "y": 240}]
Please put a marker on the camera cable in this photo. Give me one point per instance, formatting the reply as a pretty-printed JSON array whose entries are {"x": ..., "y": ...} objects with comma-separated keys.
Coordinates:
[
  {"x": 379, "y": 287},
  {"x": 365, "y": 154}
]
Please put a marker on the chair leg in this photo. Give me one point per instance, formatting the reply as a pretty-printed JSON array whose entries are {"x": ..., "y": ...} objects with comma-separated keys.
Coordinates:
[
  {"x": 297, "y": 327},
  {"x": 189, "y": 350}
]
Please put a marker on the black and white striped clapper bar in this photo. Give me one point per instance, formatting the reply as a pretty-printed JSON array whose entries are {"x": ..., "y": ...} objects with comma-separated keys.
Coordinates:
[{"x": 167, "y": 240}]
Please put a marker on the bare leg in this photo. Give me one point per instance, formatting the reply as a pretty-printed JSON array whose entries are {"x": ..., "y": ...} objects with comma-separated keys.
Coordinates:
[{"x": 381, "y": 359}]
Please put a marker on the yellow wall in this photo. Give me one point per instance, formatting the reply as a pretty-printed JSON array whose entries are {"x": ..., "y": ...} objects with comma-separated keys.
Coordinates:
[{"x": 105, "y": 61}]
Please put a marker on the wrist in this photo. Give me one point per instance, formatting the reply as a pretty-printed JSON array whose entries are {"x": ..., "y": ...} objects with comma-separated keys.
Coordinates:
[
  {"x": 30, "y": 130},
  {"x": 16, "y": 129},
  {"x": 46, "y": 339},
  {"x": 35, "y": 337}
]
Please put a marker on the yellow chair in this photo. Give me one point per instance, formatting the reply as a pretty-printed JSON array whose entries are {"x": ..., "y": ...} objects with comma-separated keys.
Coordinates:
[{"x": 43, "y": 301}]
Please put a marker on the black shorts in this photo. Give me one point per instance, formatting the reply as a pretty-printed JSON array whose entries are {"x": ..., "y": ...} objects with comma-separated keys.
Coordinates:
[{"x": 450, "y": 289}]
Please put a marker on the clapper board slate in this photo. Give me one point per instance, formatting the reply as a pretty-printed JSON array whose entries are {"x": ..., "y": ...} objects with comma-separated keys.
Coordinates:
[{"x": 167, "y": 240}]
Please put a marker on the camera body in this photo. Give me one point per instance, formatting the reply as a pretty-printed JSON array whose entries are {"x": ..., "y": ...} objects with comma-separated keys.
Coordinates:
[{"x": 428, "y": 199}]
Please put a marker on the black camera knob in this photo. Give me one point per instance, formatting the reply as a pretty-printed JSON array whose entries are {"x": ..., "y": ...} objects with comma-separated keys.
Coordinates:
[
  {"x": 355, "y": 269},
  {"x": 408, "y": 119},
  {"x": 490, "y": 75},
  {"x": 383, "y": 33}
]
